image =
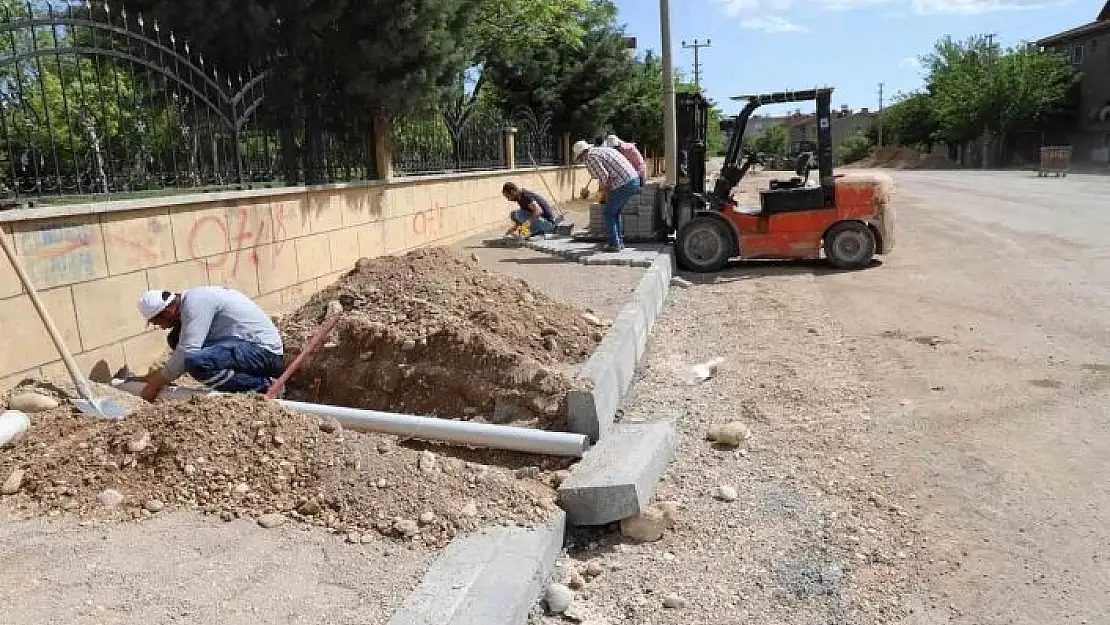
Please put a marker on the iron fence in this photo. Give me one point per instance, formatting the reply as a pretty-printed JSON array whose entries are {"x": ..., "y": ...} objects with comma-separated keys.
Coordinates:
[
  {"x": 534, "y": 143},
  {"x": 449, "y": 140}
]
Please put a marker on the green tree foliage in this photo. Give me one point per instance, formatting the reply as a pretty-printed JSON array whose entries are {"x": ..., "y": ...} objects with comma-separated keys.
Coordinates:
[
  {"x": 911, "y": 121},
  {"x": 854, "y": 148},
  {"x": 774, "y": 141}
]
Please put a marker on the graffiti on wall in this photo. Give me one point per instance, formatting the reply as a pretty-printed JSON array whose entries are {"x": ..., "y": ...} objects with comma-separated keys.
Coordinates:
[
  {"x": 61, "y": 252},
  {"x": 428, "y": 224},
  {"x": 241, "y": 237}
]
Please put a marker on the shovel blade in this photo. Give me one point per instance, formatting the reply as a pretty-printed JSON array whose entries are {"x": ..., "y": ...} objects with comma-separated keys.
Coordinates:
[{"x": 103, "y": 407}]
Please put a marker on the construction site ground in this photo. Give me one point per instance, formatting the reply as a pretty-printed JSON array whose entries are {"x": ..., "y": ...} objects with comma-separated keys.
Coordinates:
[
  {"x": 78, "y": 562},
  {"x": 929, "y": 435},
  {"x": 927, "y": 447}
]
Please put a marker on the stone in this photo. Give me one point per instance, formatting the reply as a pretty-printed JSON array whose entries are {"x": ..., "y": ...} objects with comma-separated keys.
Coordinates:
[
  {"x": 189, "y": 469},
  {"x": 575, "y": 581},
  {"x": 335, "y": 307},
  {"x": 525, "y": 473},
  {"x": 406, "y": 527},
  {"x": 673, "y": 601},
  {"x": 31, "y": 402},
  {"x": 153, "y": 505},
  {"x": 670, "y": 512},
  {"x": 682, "y": 283},
  {"x": 706, "y": 370},
  {"x": 330, "y": 426},
  {"x": 427, "y": 462},
  {"x": 648, "y": 527},
  {"x": 139, "y": 443},
  {"x": 726, "y": 493},
  {"x": 550, "y": 344},
  {"x": 594, "y": 568},
  {"x": 309, "y": 508},
  {"x": 558, "y": 598},
  {"x": 408, "y": 345},
  {"x": 731, "y": 434},
  {"x": 241, "y": 489},
  {"x": 470, "y": 509},
  {"x": 558, "y": 477},
  {"x": 110, "y": 498},
  {"x": 593, "y": 320},
  {"x": 427, "y": 517},
  {"x": 272, "y": 520},
  {"x": 14, "y": 482}
]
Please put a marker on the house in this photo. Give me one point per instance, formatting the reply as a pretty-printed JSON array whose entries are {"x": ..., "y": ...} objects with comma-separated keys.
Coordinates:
[
  {"x": 845, "y": 123},
  {"x": 1088, "y": 46}
]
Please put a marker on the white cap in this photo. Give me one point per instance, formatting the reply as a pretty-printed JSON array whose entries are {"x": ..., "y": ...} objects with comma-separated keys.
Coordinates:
[
  {"x": 612, "y": 141},
  {"x": 579, "y": 148},
  {"x": 151, "y": 303}
]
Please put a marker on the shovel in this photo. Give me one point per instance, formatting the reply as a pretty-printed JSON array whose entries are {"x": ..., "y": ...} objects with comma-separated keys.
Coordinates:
[{"x": 103, "y": 407}]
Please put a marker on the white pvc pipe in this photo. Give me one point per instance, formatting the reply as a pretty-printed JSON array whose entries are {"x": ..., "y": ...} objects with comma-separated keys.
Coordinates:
[
  {"x": 425, "y": 428},
  {"x": 459, "y": 432}
]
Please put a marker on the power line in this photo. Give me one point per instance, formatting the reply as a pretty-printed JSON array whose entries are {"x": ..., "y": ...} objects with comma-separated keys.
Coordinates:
[{"x": 697, "y": 59}]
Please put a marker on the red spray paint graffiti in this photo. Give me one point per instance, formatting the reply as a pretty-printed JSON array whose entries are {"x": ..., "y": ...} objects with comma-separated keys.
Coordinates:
[{"x": 241, "y": 246}]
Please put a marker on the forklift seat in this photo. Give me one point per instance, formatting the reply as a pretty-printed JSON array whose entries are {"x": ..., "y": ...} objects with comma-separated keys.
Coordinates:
[{"x": 791, "y": 200}]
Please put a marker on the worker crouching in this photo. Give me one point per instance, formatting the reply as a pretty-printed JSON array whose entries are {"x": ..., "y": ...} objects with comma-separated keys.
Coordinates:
[
  {"x": 219, "y": 336},
  {"x": 533, "y": 210}
]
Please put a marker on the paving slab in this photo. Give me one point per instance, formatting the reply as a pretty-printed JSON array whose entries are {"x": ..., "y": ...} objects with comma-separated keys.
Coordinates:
[
  {"x": 617, "y": 477},
  {"x": 639, "y": 255},
  {"x": 492, "y": 577}
]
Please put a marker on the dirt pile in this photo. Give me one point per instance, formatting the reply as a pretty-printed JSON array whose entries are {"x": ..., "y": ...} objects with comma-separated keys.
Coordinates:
[
  {"x": 902, "y": 158},
  {"x": 242, "y": 456},
  {"x": 435, "y": 334}
]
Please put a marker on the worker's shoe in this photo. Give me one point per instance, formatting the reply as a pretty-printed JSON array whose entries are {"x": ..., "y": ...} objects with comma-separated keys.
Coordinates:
[{"x": 610, "y": 248}]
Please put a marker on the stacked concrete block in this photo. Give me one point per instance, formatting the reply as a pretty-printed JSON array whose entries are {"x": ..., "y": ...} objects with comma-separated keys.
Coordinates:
[{"x": 638, "y": 216}]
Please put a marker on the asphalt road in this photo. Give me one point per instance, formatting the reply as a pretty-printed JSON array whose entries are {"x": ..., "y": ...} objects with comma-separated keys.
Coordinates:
[{"x": 987, "y": 334}]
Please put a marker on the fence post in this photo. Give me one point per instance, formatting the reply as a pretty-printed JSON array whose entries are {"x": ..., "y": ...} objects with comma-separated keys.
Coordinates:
[
  {"x": 568, "y": 158},
  {"x": 383, "y": 147},
  {"x": 510, "y": 147}
]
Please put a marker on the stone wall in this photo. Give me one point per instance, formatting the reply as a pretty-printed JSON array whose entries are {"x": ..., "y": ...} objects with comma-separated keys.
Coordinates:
[{"x": 91, "y": 262}]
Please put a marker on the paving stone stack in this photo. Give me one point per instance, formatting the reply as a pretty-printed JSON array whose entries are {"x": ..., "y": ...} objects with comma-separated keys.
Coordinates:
[{"x": 638, "y": 216}]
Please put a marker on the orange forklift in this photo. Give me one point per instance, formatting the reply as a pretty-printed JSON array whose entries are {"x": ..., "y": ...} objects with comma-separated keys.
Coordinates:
[{"x": 846, "y": 220}]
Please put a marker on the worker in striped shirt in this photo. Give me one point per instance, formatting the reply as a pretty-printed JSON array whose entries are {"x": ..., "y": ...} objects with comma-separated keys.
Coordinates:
[{"x": 619, "y": 179}]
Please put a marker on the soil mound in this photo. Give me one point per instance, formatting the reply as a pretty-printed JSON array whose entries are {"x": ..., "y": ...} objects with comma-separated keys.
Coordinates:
[
  {"x": 431, "y": 333},
  {"x": 243, "y": 456},
  {"x": 902, "y": 158}
]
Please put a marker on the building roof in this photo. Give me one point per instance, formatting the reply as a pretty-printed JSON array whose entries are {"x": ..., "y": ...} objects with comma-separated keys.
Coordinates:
[{"x": 1101, "y": 23}]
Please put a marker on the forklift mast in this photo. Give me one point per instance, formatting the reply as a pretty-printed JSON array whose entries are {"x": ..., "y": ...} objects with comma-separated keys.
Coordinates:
[
  {"x": 692, "y": 123},
  {"x": 736, "y": 166}
]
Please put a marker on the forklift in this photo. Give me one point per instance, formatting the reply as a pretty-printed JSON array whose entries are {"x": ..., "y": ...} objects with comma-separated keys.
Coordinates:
[{"x": 845, "y": 220}]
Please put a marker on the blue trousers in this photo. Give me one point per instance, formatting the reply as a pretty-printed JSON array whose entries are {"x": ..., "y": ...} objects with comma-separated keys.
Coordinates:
[
  {"x": 537, "y": 225},
  {"x": 613, "y": 207},
  {"x": 235, "y": 366}
]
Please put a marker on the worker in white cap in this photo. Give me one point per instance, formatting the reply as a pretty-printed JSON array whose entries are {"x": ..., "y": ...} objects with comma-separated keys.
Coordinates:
[
  {"x": 219, "y": 336},
  {"x": 630, "y": 152},
  {"x": 619, "y": 179}
]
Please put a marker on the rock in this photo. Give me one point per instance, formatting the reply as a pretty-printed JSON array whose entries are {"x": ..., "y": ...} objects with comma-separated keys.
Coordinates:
[
  {"x": 241, "y": 489},
  {"x": 682, "y": 283},
  {"x": 593, "y": 320},
  {"x": 726, "y": 493},
  {"x": 704, "y": 371},
  {"x": 153, "y": 505},
  {"x": 525, "y": 473},
  {"x": 428, "y": 517},
  {"x": 673, "y": 601},
  {"x": 670, "y": 512},
  {"x": 272, "y": 520},
  {"x": 575, "y": 581},
  {"x": 110, "y": 498},
  {"x": 139, "y": 443},
  {"x": 470, "y": 509},
  {"x": 189, "y": 469},
  {"x": 593, "y": 569},
  {"x": 558, "y": 598},
  {"x": 14, "y": 482},
  {"x": 31, "y": 402},
  {"x": 408, "y": 345},
  {"x": 648, "y": 527},
  {"x": 427, "y": 462},
  {"x": 309, "y": 508},
  {"x": 731, "y": 434},
  {"x": 550, "y": 344},
  {"x": 335, "y": 308},
  {"x": 406, "y": 527},
  {"x": 330, "y": 426},
  {"x": 558, "y": 477}
]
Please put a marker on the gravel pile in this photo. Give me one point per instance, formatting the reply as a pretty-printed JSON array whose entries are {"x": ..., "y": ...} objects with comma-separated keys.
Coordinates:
[
  {"x": 242, "y": 456},
  {"x": 433, "y": 333}
]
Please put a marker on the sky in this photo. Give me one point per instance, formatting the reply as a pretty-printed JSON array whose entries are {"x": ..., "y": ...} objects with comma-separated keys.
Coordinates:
[{"x": 851, "y": 45}]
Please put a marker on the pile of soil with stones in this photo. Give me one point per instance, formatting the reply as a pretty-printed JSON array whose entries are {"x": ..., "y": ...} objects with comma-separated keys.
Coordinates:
[
  {"x": 243, "y": 456},
  {"x": 432, "y": 333}
]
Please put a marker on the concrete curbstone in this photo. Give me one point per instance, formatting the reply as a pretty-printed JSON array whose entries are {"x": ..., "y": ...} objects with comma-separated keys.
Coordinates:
[
  {"x": 491, "y": 577},
  {"x": 617, "y": 477}
]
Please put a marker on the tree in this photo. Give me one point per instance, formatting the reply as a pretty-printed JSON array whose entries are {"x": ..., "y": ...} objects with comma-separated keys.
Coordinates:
[
  {"x": 774, "y": 141},
  {"x": 853, "y": 148},
  {"x": 911, "y": 121}
]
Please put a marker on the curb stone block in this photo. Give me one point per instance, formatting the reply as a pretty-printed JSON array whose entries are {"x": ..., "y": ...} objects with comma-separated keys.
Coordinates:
[
  {"x": 617, "y": 477},
  {"x": 492, "y": 577}
]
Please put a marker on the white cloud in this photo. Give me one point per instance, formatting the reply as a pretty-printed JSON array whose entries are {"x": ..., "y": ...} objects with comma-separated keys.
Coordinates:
[
  {"x": 772, "y": 24},
  {"x": 910, "y": 63},
  {"x": 971, "y": 7},
  {"x": 761, "y": 15}
]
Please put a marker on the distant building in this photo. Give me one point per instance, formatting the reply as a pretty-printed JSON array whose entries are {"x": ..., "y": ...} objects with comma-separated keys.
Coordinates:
[
  {"x": 845, "y": 123},
  {"x": 1088, "y": 46}
]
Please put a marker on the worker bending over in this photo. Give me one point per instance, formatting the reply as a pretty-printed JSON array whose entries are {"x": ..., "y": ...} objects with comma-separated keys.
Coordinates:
[
  {"x": 219, "y": 336},
  {"x": 617, "y": 178},
  {"x": 534, "y": 210},
  {"x": 630, "y": 152}
]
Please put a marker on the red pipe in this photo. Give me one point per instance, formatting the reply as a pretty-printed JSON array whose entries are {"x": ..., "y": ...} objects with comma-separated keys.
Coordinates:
[{"x": 313, "y": 344}]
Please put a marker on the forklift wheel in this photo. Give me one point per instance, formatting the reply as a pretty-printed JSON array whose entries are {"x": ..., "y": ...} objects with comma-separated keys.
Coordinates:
[
  {"x": 704, "y": 245},
  {"x": 850, "y": 245}
]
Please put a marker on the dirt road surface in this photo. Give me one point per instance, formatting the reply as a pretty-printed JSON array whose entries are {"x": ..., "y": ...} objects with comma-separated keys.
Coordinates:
[{"x": 929, "y": 435}]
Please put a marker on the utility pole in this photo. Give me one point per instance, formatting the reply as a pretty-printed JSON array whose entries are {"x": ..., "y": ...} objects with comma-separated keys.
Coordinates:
[
  {"x": 697, "y": 60},
  {"x": 670, "y": 126},
  {"x": 881, "y": 115}
]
